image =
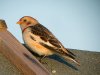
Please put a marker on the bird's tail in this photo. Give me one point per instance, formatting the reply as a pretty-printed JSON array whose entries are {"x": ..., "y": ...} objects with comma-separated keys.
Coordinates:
[
  {"x": 70, "y": 52},
  {"x": 71, "y": 58}
]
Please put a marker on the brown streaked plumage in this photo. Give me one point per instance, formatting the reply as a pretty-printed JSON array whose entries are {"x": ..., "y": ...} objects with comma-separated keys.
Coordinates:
[{"x": 41, "y": 41}]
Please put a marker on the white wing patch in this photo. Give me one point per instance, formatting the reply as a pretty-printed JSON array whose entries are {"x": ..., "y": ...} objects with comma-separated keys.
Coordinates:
[{"x": 39, "y": 40}]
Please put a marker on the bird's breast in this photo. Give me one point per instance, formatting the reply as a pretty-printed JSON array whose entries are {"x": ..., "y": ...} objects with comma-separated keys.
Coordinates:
[{"x": 32, "y": 41}]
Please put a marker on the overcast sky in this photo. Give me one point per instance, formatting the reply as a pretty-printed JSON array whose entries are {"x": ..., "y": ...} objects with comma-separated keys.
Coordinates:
[{"x": 76, "y": 23}]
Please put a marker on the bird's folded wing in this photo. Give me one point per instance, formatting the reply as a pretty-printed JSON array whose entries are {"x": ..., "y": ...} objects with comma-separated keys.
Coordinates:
[{"x": 47, "y": 37}]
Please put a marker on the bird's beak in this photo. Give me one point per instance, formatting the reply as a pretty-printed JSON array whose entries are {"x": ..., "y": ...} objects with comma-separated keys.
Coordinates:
[{"x": 18, "y": 22}]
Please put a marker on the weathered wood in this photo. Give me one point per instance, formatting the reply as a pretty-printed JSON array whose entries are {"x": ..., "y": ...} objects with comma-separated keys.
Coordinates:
[{"x": 18, "y": 54}]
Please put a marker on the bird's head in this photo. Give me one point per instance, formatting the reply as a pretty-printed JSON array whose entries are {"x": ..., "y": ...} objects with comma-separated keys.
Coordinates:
[{"x": 27, "y": 21}]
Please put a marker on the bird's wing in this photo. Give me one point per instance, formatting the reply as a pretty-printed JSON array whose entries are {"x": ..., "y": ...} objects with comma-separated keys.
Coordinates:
[{"x": 47, "y": 37}]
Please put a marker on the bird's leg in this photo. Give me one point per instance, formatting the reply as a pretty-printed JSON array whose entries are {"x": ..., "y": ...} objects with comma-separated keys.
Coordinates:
[{"x": 42, "y": 59}]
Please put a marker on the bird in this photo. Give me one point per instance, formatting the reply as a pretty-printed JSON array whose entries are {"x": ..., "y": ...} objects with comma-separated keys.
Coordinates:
[{"x": 42, "y": 41}]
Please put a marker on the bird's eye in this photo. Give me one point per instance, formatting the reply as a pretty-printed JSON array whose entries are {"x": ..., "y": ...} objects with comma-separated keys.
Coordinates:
[{"x": 24, "y": 20}]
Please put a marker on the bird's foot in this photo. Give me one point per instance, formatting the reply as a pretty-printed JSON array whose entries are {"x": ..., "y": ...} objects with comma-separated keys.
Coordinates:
[{"x": 41, "y": 60}]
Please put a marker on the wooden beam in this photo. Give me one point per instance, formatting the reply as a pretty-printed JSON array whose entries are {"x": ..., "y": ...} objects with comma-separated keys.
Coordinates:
[{"x": 18, "y": 54}]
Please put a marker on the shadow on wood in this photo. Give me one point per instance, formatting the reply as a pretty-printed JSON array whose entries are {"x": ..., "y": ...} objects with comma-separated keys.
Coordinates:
[{"x": 59, "y": 59}]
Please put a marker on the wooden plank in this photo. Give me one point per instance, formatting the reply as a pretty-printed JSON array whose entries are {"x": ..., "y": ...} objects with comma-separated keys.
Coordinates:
[{"x": 18, "y": 54}]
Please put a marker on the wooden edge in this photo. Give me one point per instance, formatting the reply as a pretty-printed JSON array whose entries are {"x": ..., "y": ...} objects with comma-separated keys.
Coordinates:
[{"x": 20, "y": 56}]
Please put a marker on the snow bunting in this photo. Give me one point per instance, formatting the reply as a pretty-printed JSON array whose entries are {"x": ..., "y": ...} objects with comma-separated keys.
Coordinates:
[{"x": 41, "y": 41}]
